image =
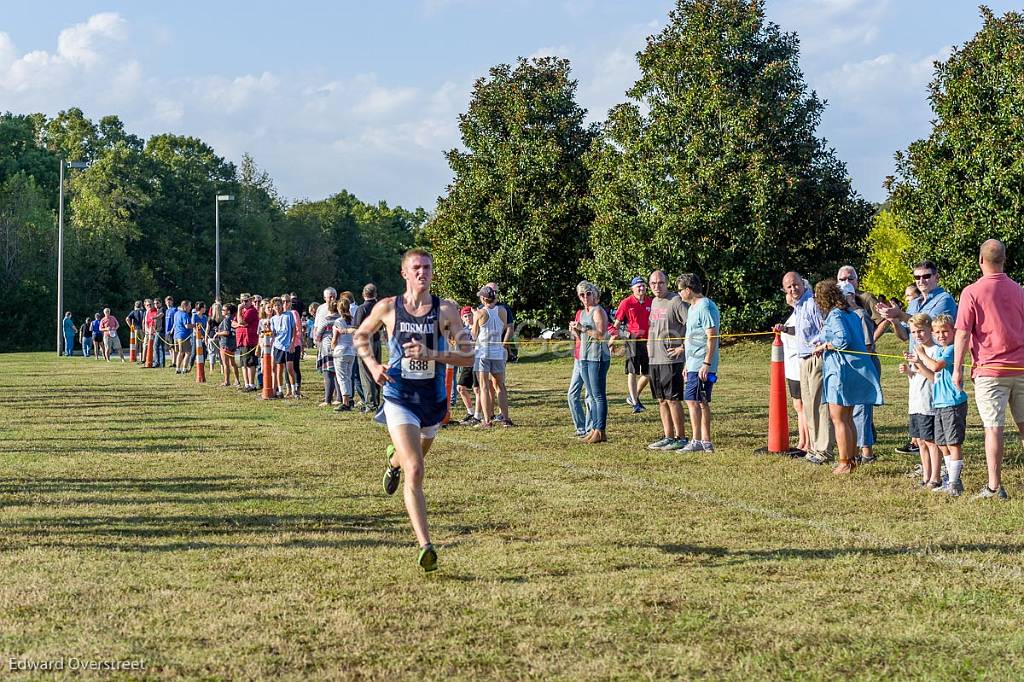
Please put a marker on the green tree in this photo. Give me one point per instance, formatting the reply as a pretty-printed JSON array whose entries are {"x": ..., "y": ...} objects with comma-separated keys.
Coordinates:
[
  {"x": 889, "y": 258},
  {"x": 713, "y": 166},
  {"x": 965, "y": 182},
  {"x": 515, "y": 210}
]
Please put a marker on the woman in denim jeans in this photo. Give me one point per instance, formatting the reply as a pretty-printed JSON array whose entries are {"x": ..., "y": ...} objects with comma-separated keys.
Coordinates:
[
  {"x": 577, "y": 406},
  {"x": 592, "y": 330}
]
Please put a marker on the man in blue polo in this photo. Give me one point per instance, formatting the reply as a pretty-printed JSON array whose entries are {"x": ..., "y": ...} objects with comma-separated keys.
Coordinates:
[
  {"x": 165, "y": 336},
  {"x": 934, "y": 300}
]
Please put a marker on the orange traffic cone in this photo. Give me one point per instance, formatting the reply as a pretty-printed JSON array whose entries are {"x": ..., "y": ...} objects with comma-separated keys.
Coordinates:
[
  {"x": 149, "y": 350},
  {"x": 132, "y": 353},
  {"x": 267, "y": 343},
  {"x": 200, "y": 356},
  {"x": 778, "y": 415}
]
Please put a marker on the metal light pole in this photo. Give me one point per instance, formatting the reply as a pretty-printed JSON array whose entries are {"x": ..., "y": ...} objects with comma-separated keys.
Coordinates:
[
  {"x": 216, "y": 240},
  {"x": 60, "y": 251}
]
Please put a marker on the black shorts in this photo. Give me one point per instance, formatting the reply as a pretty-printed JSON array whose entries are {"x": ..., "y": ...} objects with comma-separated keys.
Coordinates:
[
  {"x": 467, "y": 377},
  {"x": 950, "y": 424},
  {"x": 922, "y": 426},
  {"x": 247, "y": 356},
  {"x": 794, "y": 388},
  {"x": 636, "y": 356},
  {"x": 280, "y": 357},
  {"x": 667, "y": 381}
]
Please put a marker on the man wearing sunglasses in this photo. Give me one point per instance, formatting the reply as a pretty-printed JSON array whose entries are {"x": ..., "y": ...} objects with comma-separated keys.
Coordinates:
[{"x": 933, "y": 300}]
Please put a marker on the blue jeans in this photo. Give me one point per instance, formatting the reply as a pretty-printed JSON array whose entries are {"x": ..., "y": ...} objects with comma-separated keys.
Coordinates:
[
  {"x": 580, "y": 418},
  {"x": 159, "y": 351},
  {"x": 595, "y": 378},
  {"x": 69, "y": 345},
  {"x": 863, "y": 420},
  {"x": 86, "y": 346}
]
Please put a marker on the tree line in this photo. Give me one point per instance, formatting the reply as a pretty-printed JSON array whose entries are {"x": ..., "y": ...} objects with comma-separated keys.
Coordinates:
[{"x": 711, "y": 165}]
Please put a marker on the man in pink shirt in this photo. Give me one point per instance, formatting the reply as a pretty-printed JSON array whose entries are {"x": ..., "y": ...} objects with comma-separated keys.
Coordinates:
[
  {"x": 111, "y": 342},
  {"x": 991, "y": 321}
]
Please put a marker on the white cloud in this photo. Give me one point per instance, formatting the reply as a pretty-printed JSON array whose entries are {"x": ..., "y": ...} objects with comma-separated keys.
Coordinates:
[
  {"x": 81, "y": 43},
  {"x": 554, "y": 51},
  {"x": 830, "y": 26}
]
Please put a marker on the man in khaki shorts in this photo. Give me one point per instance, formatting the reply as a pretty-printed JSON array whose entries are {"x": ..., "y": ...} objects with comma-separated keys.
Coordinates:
[{"x": 991, "y": 320}]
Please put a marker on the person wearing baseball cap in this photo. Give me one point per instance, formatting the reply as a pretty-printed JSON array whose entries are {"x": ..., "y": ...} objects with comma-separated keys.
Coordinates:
[
  {"x": 466, "y": 384},
  {"x": 634, "y": 313}
]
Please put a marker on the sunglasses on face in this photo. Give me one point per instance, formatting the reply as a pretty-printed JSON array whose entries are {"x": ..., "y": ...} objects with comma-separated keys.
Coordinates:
[{"x": 924, "y": 277}]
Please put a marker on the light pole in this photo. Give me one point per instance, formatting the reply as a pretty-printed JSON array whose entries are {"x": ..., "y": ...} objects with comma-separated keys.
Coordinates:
[
  {"x": 216, "y": 241},
  {"x": 60, "y": 250}
]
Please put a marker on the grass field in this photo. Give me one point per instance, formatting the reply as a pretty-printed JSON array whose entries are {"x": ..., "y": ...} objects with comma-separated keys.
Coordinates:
[{"x": 143, "y": 516}]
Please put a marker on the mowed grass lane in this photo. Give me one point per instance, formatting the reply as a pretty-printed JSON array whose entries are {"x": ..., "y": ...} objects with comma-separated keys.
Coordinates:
[{"x": 214, "y": 535}]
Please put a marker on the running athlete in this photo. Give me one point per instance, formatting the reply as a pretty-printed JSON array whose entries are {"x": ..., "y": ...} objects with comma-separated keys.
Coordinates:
[{"x": 420, "y": 328}]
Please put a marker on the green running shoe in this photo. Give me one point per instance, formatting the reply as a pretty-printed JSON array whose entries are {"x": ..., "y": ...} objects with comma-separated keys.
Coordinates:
[
  {"x": 428, "y": 559},
  {"x": 391, "y": 474}
]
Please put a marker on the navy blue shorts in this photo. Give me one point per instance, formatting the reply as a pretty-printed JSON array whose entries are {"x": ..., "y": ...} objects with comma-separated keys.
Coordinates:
[
  {"x": 280, "y": 357},
  {"x": 697, "y": 390}
]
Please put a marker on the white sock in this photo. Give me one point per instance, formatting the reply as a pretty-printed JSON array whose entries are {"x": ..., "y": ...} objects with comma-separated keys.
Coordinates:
[
  {"x": 954, "y": 467},
  {"x": 945, "y": 460}
]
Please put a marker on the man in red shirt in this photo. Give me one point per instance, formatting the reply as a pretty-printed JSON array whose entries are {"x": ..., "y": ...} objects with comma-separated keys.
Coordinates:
[
  {"x": 246, "y": 327},
  {"x": 634, "y": 312},
  {"x": 991, "y": 320}
]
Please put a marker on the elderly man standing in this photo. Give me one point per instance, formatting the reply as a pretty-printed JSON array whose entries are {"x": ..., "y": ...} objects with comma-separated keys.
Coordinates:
[
  {"x": 807, "y": 326},
  {"x": 667, "y": 361},
  {"x": 991, "y": 320},
  {"x": 848, "y": 274},
  {"x": 933, "y": 300}
]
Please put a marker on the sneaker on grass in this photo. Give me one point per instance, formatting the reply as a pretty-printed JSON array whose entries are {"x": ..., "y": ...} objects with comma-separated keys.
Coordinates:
[
  {"x": 659, "y": 444},
  {"x": 679, "y": 444},
  {"x": 955, "y": 488},
  {"x": 693, "y": 446},
  {"x": 427, "y": 559},
  {"x": 816, "y": 458},
  {"x": 391, "y": 474},
  {"x": 708, "y": 447},
  {"x": 987, "y": 493}
]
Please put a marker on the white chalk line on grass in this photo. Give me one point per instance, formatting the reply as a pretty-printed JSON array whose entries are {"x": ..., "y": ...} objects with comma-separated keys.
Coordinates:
[{"x": 938, "y": 557}]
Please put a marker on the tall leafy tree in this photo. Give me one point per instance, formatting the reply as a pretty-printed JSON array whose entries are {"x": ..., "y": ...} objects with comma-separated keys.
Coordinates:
[
  {"x": 713, "y": 166},
  {"x": 515, "y": 211},
  {"x": 965, "y": 182}
]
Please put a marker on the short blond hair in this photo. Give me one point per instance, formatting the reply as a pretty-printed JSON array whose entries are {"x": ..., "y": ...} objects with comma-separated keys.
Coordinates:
[
  {"x": 921, "y": 321},
  {"x": 943, "y": 319}
]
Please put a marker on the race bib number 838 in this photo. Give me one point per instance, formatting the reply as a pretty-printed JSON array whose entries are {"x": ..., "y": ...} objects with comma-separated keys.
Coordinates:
[{"x": 417, "y": 369}]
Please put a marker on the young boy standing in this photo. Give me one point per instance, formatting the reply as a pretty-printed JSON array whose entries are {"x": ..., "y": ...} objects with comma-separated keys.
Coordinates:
[
  {"x": 922, "y": 416},
  {"x": 948, "y": 401}
]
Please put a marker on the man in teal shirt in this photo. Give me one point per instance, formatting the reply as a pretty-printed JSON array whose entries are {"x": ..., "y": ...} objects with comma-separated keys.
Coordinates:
[{"x": 701, "y": 348}]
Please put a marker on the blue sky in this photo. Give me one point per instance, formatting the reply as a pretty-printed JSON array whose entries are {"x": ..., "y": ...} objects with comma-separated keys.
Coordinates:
[{"x": 365, "y": 96}]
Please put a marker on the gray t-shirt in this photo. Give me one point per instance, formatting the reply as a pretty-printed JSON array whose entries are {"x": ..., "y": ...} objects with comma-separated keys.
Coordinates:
[{"x": 668, "y": 327}]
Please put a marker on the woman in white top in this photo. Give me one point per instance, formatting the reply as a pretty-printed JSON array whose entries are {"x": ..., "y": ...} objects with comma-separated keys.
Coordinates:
[
  {"x": 489, "y": 324},
  {"x": 344, "y": 353}
]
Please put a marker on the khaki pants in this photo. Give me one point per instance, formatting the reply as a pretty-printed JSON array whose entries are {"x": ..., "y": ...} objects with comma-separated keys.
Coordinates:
[{"x": 819, "y": 425}]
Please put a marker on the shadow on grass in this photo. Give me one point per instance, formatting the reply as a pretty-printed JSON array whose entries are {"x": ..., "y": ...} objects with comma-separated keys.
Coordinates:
[
  {"x": 138, "y": 533},
  {"x": 722, "y": 556}
]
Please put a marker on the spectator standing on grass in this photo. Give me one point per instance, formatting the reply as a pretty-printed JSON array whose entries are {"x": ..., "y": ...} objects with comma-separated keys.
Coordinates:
[
  {"x": 182, "y": 334},
  {"x": 864, "y": 415},
  {"x": 200, "y": 327},
  {"x": 809, "y": 323},
  {"x": 165, "y": 340},
  {"x": 466, "y": 385},
  {"x": 282, "y": 324},
  {"x": 922, "y": 414},
  {"x": 701, "y": 353},
  {"x": 577, "y": 406},
  {"x": 325, "y": 355},
  {"x": 490, "y": 324},
  {"x": 246, "y": 326},
  {"x": 227, "y": 345},
  {"x": 344, "y": 353},
  {"x": 216, "y": 315},
  {"x": 68, "y": 329},
  {"x": 869, "y": 302},
  {"x": 948, "y": 401},
  {"x": 135, "y": 320},
  {"x": 931, "y": 299},
  {"x": 595, "y": 357},
  {"x": 991, "y": 325},
  {"x": 792, "y": 361},
  {"x": 667, "y": 365},
  {"x": 371, "y": 391},
  {"x": 86, "y": 333},
  {"x": 97, "y": 338},
  {"x": 632, "y": 318},
  {"x": 508, "y": 338},
  {"x": 111, "y": 342},
  {"x": 848, "y": 377}
]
